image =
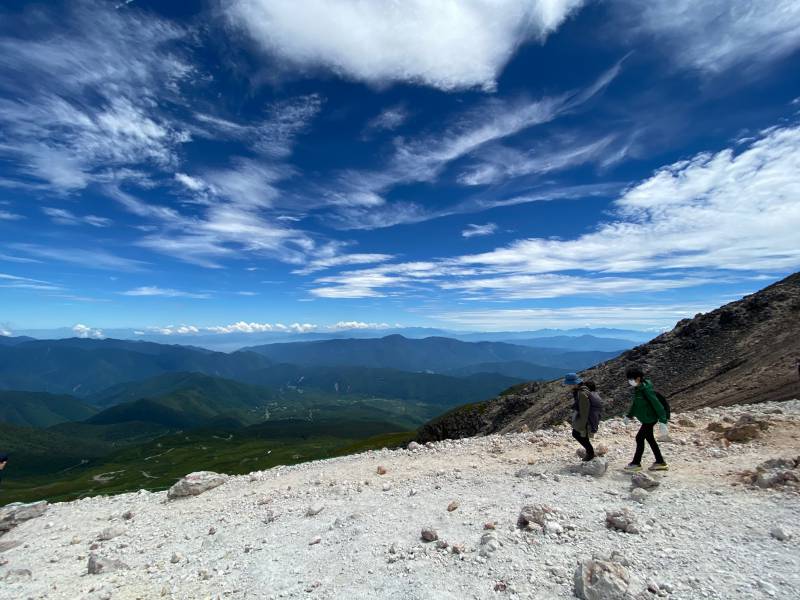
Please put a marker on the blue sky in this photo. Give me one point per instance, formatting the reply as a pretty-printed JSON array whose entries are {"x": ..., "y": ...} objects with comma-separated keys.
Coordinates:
[{"x": 309, "y": 164}]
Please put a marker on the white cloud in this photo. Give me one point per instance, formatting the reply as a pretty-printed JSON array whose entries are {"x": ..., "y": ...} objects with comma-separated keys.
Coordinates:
[
  {"x": 716, "y": 35},
  {"x": 713, "y": 211},
  {"x": 84, "y": 331},
  {"x": 423, "y": 159},
  {"x": 389, "y": 119},
  {"x": 716, "y": 214},
  {"x": 345, "y": 325},
  {"x": 85, "y": 99},
  {"x": 474, "y": 230},
  {"x": 8, "y": 216},
  {"x": 531, "y": 287},
  {"x": 96, "y": 259},
  {"x": 164, "y": 292},
  {"x": 245, "y": 327},
  {"x": 26, "y": 283},
  {"x": 499, "y": 164},
  {"x": 191, "y": 183},
  {"x": 636, "y": 316},
  {"x": 447, "y": 45},
  {"x": 341, "y": 260},
  {"x": 65, "y": 217}
]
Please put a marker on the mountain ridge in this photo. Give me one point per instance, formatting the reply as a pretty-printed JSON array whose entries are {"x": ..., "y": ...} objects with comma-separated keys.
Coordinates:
[{"x": 742, "y": 352}]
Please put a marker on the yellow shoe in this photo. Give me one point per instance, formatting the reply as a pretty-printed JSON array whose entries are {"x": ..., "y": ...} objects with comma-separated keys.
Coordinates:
[
  {"x": 632, "y": 468},
  {"x": 658, "y": 467}
]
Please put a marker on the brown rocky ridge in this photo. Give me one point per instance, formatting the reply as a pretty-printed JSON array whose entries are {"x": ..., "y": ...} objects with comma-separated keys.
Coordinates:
[{"x": 744, "y": 352}]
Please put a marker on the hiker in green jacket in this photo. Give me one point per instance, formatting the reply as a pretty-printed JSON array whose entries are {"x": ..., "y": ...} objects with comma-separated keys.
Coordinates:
[{"x": 647, "y": 408}]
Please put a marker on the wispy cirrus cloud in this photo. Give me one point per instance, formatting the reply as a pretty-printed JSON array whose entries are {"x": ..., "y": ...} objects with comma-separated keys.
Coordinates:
[
  {"x": 9, "y": 216},
  {"x": 716, "y": 35},
  {"x": 388, "y": 119},
  {"x": 473, "y": 230},
  {"x": 733, "y": 211},
  {"x": 633, "y": 316},
  {"x": 95, "y": 259},
  {"x": 152, "y": 290},
  {"x": 321, "y": 264},
  {"x": 359, "y": 194},
  {"x": 27, "y": 283},
  {"x": 67, "y": 114},
  {"x": 63, "y": 216}
]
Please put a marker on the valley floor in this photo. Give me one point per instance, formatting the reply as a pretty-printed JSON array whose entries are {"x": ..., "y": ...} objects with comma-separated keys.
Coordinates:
[{"x": 703, "y": 532}]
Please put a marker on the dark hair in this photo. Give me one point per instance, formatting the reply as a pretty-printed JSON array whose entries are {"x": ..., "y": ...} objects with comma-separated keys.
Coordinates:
[
  {"x": 3, "y": 458},
  {"x": 634, "y": 373},
  {"x": 591, "y": 385}
]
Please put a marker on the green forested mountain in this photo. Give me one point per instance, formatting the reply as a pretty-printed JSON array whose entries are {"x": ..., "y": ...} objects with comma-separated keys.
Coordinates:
[
  {"x": 517, "y": 369},
  {"x": 218, "y": 390},
  {"x": 382, "y": 383},
  {"x": 84, "y": 367},
  {"x": 39, "y": 409}
]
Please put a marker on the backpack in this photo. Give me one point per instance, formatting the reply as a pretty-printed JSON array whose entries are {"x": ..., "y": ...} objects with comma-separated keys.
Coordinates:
[
  {"x": 595, "y": 410},
  {"x": 664, "y": 403}
]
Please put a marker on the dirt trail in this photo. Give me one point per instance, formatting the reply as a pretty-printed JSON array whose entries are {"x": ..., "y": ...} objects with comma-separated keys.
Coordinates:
[{"x": 703, "y": 533}]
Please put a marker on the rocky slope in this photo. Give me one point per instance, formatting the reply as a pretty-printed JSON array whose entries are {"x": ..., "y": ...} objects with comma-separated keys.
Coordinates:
[
  {"x": 743, "y": 352},
  {"x": 509, "y": 516}
]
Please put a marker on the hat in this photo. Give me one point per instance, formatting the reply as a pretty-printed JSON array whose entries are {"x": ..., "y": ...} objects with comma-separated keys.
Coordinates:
[{"x": 572, "y": 379}]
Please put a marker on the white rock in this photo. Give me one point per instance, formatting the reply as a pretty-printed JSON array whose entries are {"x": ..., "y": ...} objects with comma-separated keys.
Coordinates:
[
  {"x": 781, "y": 534},
  {"x": 643, "y": 480},
  {"x": 196, "y": 483},
  {"x": 15, "y": 513},
  {"x": 639, "y": 495},
  {"x": 98, "y": 565},
  {"x": 109, "y": 533},
  {"x": 601, "y": 580}
]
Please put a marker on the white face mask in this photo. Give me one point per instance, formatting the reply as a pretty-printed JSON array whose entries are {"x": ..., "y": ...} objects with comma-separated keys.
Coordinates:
[{"x": 632, "y": 382}]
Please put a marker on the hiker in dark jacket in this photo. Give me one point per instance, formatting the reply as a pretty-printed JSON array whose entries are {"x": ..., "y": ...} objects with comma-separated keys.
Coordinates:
[
  {"x": 581, "y": 409},
  {"x": 647, "y": 408}
]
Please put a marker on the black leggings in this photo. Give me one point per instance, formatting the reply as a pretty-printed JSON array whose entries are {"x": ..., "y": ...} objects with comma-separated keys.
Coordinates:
[
  {"x": 584, "y": 441},
  {"x": 646, "y": 433}
]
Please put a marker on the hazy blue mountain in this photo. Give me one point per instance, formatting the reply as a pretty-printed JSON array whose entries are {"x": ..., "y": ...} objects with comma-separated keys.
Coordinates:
[
  {"x": 6, "y": 340},
  {"x": 39, "y": 409},
  {"x": 83, "y": 367},
  {"x": 433, "y": 354},
  {"x": 638, "y": 337},
  {"x": 582, "y": 343}
]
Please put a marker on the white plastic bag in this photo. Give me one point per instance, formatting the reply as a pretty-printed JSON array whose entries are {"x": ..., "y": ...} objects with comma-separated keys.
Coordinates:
[{"x": 663, "y": 432}]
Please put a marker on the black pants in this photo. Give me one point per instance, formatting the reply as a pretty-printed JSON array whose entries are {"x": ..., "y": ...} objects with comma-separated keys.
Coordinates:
[
  {"x": 584, "y": 441},
  {"x": 646, "y": 433}
]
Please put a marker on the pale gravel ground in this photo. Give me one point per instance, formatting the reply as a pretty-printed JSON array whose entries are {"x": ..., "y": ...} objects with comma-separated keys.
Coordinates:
[{"x": 703, "y": 536}]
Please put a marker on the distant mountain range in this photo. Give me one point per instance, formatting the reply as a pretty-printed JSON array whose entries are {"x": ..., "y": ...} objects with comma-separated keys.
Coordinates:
[
  {"x": 433, "y": 354},
  {"x": 83, "y": 367},
  {"x": 232, "y": 341},
  {"x": 72, "y": 409}
]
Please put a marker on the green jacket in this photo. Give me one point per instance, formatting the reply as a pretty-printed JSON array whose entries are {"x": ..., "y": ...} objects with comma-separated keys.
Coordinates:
[{"x": 646, "y": 406}]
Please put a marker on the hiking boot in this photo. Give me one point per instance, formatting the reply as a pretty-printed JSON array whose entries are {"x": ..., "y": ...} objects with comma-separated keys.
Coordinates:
[
  {"x": 632, "y": 468},
  {"x": 656, "y": 466}
]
